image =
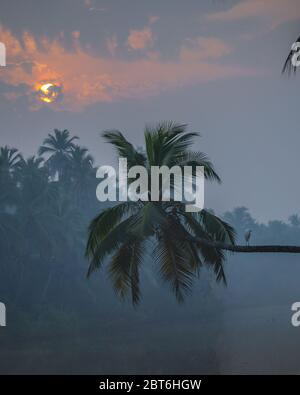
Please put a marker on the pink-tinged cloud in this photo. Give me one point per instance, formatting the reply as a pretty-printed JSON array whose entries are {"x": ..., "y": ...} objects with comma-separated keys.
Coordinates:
[
  {"x": 76, "y": 34},
  {"x": 274, "y": 12},
  {"x": 87, "y": 78},
  {"x": 140, "y": 39}
]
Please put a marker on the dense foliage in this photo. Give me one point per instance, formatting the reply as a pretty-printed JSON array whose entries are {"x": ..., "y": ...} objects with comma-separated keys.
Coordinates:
[{"x": 59, "y": 321}]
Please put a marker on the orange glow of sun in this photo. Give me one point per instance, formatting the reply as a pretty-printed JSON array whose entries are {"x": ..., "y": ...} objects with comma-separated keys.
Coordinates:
[{"x": 48, "y": 92}]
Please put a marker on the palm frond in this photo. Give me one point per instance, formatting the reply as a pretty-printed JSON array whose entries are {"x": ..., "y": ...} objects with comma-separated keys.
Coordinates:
[
  {"x": 107, "y": 220},
  {"x": 174, "y": 265},
  {"x": 99, "y": 246},
  {"x": 124, "y": 269},
  {"x": 45, "y": 150},
  {"x": 217, "y": 228},
  {"x": 195, "y": 159},
  {"x": 165, "y": 141},
  {"x": 124, "y": 148},
  {"x": 149, "y": 218}
]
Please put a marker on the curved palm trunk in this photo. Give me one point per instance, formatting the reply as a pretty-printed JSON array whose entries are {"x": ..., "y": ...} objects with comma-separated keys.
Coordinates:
[{"x": 247, "y": 248}]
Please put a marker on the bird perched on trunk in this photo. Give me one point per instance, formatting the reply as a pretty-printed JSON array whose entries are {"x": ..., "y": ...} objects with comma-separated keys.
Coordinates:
[{"x": 247, "y": 235}]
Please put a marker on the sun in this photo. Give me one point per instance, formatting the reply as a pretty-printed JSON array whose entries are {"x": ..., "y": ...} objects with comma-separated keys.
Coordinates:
[{"x": 48, "y": 92}]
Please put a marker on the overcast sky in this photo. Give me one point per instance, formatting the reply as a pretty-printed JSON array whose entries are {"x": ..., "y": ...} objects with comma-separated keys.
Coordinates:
[{"x": 214, "y": 64}]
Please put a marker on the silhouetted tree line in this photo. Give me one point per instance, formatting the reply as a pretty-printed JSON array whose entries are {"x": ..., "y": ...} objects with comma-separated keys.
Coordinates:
[
  {"x": 46, "y": 205},
  {"x": 46, "y": 202}
]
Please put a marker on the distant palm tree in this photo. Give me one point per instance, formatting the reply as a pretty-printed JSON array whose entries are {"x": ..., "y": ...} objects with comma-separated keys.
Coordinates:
[
  {"x": 80, "y": 164},
  {"x": 124, "y": 232},
  {"x": 32, "y": 178},
  {"x": 294, "y": 220},
  {"x": 9, "y": 159},
  {"x": 82, "y": 174},
  {"x": 35, "y": 192},
  {"x": 59, "y": 146},
  {"x": 31, "y": 168}
]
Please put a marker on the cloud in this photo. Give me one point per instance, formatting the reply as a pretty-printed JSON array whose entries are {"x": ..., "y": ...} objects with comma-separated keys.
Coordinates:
[
  {"x": 143, "y": 38},
  {"x": 275, "y": 12},
  {"x": 87, "y": 78},
  {"x": 153, "y": 19},
  {"x": 76, "y": 34},
  {"x": 92, "y": 8},
  {"x": 140, "y": 39},
  {"x": 204, "y": 48},
  {"x": 112, "y": 45}
]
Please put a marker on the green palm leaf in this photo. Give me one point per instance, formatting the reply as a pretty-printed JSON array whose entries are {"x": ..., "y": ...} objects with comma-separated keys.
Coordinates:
[{"x": 124, "y": 269}]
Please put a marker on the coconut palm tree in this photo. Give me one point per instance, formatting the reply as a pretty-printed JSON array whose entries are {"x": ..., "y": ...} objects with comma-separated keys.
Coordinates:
[
  {"x": 181, "y": 242},
  {"x": 82, "y": 174},
  {"x": 80, "y": 169},
  {"x": 59, "y": 147},
  {"x": 9, "y": 159},
  {"x": 31, "y": 169},
  {"x": 35, "y": 195},
  {"x": 81, "y": 160},
  {"x": 124, "y": 233}
]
